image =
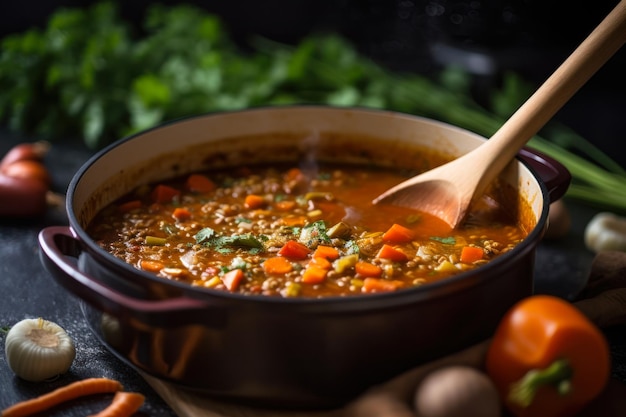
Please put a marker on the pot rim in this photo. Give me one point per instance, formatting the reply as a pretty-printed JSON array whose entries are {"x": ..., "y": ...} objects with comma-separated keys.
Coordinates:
[{"x": 428, "y": 291}]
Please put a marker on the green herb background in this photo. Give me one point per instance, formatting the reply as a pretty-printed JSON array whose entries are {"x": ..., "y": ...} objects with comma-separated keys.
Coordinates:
[{"x": 89, "y": 74}]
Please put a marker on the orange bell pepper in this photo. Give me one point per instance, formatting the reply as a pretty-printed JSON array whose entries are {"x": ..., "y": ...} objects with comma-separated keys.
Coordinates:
[{"x": 547, "y": 359}]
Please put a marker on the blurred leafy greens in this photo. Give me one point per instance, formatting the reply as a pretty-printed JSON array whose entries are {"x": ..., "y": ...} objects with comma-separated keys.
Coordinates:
[{"x": 88, "y": 74}]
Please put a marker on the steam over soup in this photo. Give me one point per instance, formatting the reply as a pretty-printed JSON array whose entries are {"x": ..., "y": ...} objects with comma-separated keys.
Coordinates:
[{"x": 287, "y": 232}]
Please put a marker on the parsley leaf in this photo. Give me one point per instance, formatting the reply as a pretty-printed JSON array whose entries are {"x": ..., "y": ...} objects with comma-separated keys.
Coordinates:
[
  {"x": 226, "y": 244},
  {"x": 450, "y": 240}
]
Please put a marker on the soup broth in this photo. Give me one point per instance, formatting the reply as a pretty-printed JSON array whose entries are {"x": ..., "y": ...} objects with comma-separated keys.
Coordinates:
[{"x": 288, "y": 231}]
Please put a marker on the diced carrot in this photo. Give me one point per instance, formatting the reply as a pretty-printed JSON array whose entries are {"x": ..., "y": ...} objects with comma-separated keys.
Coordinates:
[
  {"x": 294, "y": 250},
  {"x": 292, "y": 221},
  {"x": 243, "y": 171},
  {"x": 277, "y": 265},
  {"x": 294, "y": 174},
  {"x": 164, "y": 193},
  {"x": 367, "y": 269},
  {"x": 321, "y": 262},
  {"x": 129, "y": 206},
  {"x": 326, "y": 252},
  {"x": 181, "y": 214},
  {"x": 391, "y": 253},
  {"x": 232, "y": 279},
  {"x": 199, "y": 183},
  {"x": 253, "y": 201},
  {"x": 151, "y": 266},
  {"x": 371, "y": 285},
  {"x": 314, "y": 274},
  {"x": 285, "y": 205},
  {"x": 398, "y": 234},
  {"x": 470, "y": 254}
]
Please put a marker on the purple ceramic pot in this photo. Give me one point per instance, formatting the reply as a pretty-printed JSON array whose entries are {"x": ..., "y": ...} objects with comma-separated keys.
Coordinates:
[{"x": 275, "y": 351}]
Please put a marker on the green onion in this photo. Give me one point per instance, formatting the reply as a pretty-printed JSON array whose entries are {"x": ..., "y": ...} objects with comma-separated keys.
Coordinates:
[{"x": 142, "y": 81}]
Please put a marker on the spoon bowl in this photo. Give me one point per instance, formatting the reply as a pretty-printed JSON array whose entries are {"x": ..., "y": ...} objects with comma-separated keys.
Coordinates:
[{"x": 449, "y": 190}]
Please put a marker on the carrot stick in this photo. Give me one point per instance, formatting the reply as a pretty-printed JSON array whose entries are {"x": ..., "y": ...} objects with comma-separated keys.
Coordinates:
[
  {"x": 68, "y": 392},
  {"x": 124, "y": 404}
]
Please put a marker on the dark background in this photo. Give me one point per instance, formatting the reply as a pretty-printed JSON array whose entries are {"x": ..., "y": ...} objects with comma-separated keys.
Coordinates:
[{"x": 531, "y": 37}]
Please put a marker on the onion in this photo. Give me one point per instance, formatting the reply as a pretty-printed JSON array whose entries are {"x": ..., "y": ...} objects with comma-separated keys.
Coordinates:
[{"x": 37, "y": 349}]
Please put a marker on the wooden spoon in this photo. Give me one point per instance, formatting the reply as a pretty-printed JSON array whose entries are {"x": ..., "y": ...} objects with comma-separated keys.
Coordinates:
[{"x": 448, "y": 190}]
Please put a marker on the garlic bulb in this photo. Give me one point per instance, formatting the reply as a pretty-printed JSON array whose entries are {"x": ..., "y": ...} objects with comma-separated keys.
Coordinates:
[
  {"x": 37, "y": 349},
  {"x": 606, "y": 231}
]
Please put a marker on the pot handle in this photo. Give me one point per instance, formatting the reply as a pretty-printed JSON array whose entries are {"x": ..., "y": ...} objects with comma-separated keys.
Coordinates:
[
  {"x": 59, "y": 250},
  {"x": 554, "y": 175}
]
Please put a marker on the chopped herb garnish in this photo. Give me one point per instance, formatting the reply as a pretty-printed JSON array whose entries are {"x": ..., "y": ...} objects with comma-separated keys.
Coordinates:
[
  {"x": 226, "y": 244},
  {"x": 204, "y": 235},
  {"x": 238, "y": 263},
  {"x": 351, "y": 247},
  {"x": 243, "y": 241},
  {"x": 314, "y": 234},
  {"x": 445, "y": 240},
  {"x": 413, "y": 218},
  {"x": 324, "y": 176}
]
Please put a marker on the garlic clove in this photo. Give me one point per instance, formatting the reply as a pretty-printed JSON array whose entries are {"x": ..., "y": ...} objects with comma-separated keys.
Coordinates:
[{"x": 37, "y": 349}]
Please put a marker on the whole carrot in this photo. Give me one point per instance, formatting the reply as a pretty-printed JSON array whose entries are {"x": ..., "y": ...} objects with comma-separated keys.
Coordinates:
[
  {"x": 124, "y": 404},
  {"x": 68, "y": 392}
]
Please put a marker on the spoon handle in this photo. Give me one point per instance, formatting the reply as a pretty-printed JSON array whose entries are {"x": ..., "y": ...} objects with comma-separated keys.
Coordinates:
[{"x": 575, "y": 71}]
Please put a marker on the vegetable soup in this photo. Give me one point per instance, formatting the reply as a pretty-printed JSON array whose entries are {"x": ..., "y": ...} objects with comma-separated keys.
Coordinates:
[{"x": 289, "y": 231}]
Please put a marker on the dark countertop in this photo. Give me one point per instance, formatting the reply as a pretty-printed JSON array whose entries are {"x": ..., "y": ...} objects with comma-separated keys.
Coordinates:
[{"x": 29, "y": 292}]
